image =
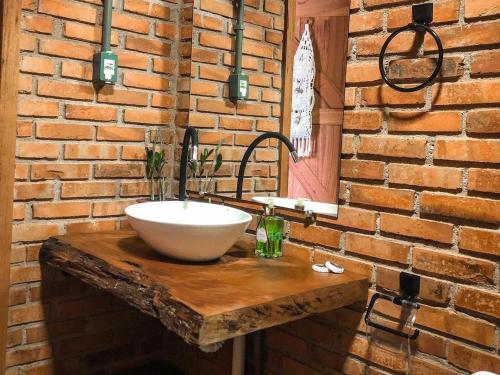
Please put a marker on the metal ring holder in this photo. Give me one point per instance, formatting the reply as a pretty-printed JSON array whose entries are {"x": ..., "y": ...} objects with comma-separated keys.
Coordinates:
[
  {"x": 410, "y": 288},
  {"x": 422, "y": 17}
]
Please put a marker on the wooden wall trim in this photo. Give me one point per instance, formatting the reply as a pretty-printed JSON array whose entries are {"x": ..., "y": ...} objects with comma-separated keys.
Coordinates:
[
  {"x": 10, "y": 13},
  {"x": 286, "y": 105}
]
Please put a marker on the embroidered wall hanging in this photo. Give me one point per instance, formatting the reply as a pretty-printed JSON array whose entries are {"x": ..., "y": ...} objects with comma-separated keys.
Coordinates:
[{"x": 304, "y": 72}]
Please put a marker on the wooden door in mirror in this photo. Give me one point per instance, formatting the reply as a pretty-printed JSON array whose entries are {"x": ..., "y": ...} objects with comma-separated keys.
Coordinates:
[{"x": 317, "y": 177}]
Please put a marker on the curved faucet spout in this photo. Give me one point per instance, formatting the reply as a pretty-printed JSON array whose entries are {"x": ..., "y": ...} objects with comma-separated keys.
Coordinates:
[
  {"x": 253, "y": 145},
  {"x": 191, "y": 135}
]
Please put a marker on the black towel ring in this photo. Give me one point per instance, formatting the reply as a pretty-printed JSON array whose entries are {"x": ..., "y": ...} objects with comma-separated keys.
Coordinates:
[{"x": 422, "y": 16}]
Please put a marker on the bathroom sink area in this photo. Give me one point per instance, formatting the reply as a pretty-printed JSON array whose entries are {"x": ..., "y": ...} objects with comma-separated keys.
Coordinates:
[
  {"x": 315, "y": 207},
  {"x": 189, "y": 231}
]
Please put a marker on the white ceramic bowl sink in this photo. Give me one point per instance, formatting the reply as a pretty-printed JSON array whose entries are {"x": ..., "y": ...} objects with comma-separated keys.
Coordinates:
[{"x": 190, "y": 231}]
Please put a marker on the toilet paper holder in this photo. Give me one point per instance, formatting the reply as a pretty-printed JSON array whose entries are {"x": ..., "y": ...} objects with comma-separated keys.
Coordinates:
[{"x": 409, "y": 288}]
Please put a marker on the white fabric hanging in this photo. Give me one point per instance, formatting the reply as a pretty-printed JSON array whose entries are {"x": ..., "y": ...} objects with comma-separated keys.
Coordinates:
[{"x": 304, "y": 72}]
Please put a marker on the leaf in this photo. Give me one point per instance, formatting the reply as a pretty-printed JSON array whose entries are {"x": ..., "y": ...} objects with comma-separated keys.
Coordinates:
[{"x": 218, "y": 163}]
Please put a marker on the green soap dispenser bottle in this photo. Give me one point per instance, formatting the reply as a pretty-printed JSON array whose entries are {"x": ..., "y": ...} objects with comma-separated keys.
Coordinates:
[{"x": 269, "y": 234}]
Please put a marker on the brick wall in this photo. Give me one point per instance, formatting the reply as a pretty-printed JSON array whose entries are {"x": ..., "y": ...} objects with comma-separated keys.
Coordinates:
[
  {"x": 419, "y": 191},
  {"x": 79, "y": 163},
  {"x": 419, "y": 179},
  {"x": 220, "y": 120}
]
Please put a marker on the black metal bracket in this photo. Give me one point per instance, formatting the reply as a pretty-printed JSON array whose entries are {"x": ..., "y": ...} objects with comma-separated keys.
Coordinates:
[
  {"x": 410, "y": 288},
  {"x": 422, "y": 17}
]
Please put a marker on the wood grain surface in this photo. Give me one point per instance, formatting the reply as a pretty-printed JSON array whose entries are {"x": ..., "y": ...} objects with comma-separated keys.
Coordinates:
[
  {"x": 203, "y": 303},
  {"x": 10, "y": 13}
]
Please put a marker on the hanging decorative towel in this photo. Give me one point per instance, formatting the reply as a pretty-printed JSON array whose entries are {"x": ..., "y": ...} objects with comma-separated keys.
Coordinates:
[{"x": 304, "y": 72}]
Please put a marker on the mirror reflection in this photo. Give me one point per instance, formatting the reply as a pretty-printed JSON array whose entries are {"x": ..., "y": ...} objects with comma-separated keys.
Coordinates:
[{"x": 292, "y": 154}]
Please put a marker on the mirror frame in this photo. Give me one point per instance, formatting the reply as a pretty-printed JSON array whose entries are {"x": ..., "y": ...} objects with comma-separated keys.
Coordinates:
[{"x": 286, "y": 104}]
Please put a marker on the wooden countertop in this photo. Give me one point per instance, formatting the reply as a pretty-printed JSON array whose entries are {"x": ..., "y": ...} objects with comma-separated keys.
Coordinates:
[{"x": 203, "y": 303}]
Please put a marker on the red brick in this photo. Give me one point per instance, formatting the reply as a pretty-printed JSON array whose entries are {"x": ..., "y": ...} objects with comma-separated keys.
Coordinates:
[
  {"x": 425, "y": 122},
  {"x": 90, "y": 112},
  {"x": 63, "y": 9},
  {"x": 119, "y": 170},
  {"x": 66, "y": 49},
  {"x": 46, "y": 130},
  {"x": 425, "y": 366},
  {"x": 145, "y": 8},
  {"x": 382, "y": 197},
  {"x": 444, "y": 263},
  {"x": 386, "y": 96},
  {"x": 477, "y": 300},
  {"x": 418, "y": 228},
  {"x": 204, "y": 88},
  {"x": 458, "y": 325},
  {"x": 112, "y": 208},
  {"x": 28, "y": 354},
  {"x": 145, "y": 81},
  {"x": 483, "y": 121},
  {"x": 484, "y": 180},
  {"x": 363, "y": 22},
  {"x": 127, "y": 59},
  {"x": 87, "y": 189},
  {"x": 89, "y": 152},
  {"x": 207, "y": 22},
  {"x": 361, "y": 169},
  {"x": 471, "y": 35},
  {"x": 472, "y": 150},
  {"x": 479, "y": 209},
  {"x": 352, "y": 218},
  {"x": 425, "y": 176},
  {"x": 88, "y": 33},
  {"x": 113, "y": 95},
  {"x": 378, "y": 248},
  {"x": 37, "y": 65},
  {"x": 31, "y": 191},
  {"x": 34, "y": 232},
  {"x": 371, "y": 45},
  {"x": 484, "y": 63},
  {"x": 54, "y": 210},
  {"x": 59, "y": 171},
  {"x": 167, "y": 30},
  {"x": 78, "y": 70},
  {"x": 315, "y": 235},
  {"x": 90, "y": 227},
  {"x": 37, "y": 108},
  {"x": 481, "y": 8},
  {"x": 154, "y": 47},
  {"x": 120, "y": 133},
  {"x": 130, "y": 23},
  {"x": 38, "y": 24},
  {"x": 467, "y": 93},
  {"x": 37, "y": 150},
  {"x": 140, "y": 116},
  {"x": 64, "y": 90},
  {"x": 397, "y": 147},
  {"x": 480, "y": 240},
  {"x": 362, "y": 120},
  {"x": 472, "y": 359}
]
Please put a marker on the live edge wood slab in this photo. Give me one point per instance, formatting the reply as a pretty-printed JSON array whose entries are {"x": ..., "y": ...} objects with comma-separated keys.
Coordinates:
[{"x": 203, "y": 303}]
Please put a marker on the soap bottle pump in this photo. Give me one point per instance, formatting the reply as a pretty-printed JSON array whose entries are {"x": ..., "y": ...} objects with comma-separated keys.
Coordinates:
[{"x": 269, "y": 233}]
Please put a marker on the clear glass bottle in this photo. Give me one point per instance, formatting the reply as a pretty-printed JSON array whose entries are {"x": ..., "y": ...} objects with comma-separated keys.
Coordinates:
[{"x": 269, "y": 234}]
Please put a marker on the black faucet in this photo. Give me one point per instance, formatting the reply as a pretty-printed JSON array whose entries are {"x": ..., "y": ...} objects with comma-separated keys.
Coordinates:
[
  {"x": 191, "y": 134},
  {"x": 253, "y": 145}
]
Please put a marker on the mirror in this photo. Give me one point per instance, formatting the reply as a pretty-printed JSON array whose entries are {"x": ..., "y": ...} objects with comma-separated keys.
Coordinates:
[{"x": 311, "y": 184}]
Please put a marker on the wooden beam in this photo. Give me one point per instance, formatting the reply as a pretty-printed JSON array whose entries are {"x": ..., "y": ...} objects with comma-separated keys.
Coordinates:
[
  {"x": 286, "y": 104},
  {"x": 10, "y": 13}
]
